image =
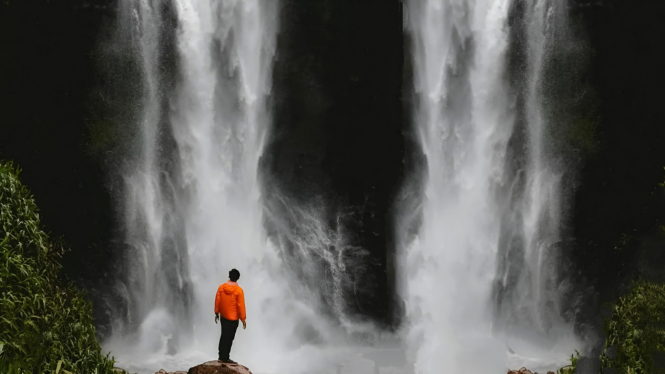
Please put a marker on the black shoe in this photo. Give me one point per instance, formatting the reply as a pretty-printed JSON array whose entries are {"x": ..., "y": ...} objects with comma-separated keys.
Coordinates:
[{"x": 229, "y": 361}]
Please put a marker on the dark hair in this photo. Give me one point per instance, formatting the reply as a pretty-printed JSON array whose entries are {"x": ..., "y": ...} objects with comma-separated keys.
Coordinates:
[{"x": 234, "y": 275}]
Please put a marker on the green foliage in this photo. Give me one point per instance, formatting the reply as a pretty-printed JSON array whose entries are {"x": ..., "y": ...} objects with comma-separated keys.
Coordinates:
[
  {"x": 44, "y": 326},
  {"x": 637, "y": 328},
  {"x": 573, "y": 364}
]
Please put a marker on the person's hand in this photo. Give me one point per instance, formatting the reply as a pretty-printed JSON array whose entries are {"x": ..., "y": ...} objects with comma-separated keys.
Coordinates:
[
  {"x": 244, "y": 325},
  {"x": 216, "y": 317}
]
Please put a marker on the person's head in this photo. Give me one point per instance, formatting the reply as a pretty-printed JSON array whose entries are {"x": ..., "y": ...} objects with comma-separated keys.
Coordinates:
[{"x": 234, "y": 275}]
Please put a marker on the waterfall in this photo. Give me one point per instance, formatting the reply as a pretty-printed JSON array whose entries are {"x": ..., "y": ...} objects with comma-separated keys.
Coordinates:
[
  {"x": 480, "y": 227},
  {"x": 192, "y": 192},
  {"x": 195, "y": 205}
]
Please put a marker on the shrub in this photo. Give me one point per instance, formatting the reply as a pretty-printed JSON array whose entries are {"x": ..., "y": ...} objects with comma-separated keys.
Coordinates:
[
  {"x": 573, "y": 364},
  {"x": 45, "y": 326},
  {"x": 637, "y": 328}
]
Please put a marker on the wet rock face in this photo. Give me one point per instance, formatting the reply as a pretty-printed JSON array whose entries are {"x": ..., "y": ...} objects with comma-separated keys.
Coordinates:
[
  {"x": 338, "y": 131},
  {"x": 217, "y": 367}
]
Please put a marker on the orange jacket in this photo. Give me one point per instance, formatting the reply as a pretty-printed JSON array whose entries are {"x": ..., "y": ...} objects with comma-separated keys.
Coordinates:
[{"x": 230, "y": 301}]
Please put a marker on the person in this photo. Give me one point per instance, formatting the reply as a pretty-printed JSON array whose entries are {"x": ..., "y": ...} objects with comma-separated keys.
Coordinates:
[{"x": 230, "y": 304}]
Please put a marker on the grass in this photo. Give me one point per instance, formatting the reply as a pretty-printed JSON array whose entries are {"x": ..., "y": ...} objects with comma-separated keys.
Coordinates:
[{"x": 45, "y": 325}]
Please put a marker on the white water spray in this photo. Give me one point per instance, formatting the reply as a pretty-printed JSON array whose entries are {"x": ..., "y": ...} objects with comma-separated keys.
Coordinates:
[{"x": 479, "y": 273}]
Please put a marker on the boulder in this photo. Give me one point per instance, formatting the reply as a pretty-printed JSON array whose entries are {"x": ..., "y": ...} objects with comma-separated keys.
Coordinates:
[
  {"x": 218, "y": 367},
  {"x": 162, "y": 371},
  {"x": 524, "y": 370},
  {"x": 118, "y": 370}
]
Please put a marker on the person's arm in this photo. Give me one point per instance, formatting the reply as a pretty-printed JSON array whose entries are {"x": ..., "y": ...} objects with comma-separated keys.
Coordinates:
[
  {"x": 240, "y": 300},
  {"x": 217, "y": 300}
]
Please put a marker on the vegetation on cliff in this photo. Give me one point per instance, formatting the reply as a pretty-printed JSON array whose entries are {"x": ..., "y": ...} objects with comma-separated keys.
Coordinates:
[
  {"x": 45, "y": 326},
  {"x": 637, "y": 330}
]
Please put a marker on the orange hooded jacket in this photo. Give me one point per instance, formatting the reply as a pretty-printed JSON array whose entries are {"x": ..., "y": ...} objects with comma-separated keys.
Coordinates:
[{"x": 230, "y": 301}]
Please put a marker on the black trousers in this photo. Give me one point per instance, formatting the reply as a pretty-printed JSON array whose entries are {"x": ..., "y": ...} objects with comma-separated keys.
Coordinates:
[{"x": 226, "y": 340}]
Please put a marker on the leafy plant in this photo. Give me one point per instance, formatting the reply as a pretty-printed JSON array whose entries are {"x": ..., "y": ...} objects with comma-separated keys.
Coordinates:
[
  {"x": 45, "y": 326},
  {"x": 573, "y": 364},
  {"x": 637, "y": 329}
]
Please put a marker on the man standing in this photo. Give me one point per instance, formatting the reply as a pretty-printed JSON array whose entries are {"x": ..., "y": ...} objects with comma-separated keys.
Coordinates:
[{"x": 230, "y": 302}]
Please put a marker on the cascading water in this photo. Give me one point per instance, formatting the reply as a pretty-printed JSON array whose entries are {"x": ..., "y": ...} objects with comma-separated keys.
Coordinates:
[
  {"x": 479, "y": 266},
  {"x": 193, "y": 208},
  {"x": 478, "y": 274}
]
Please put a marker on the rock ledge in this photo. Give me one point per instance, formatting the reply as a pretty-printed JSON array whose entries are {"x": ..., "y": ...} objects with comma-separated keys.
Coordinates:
[{"x": 212, "y": 367}]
